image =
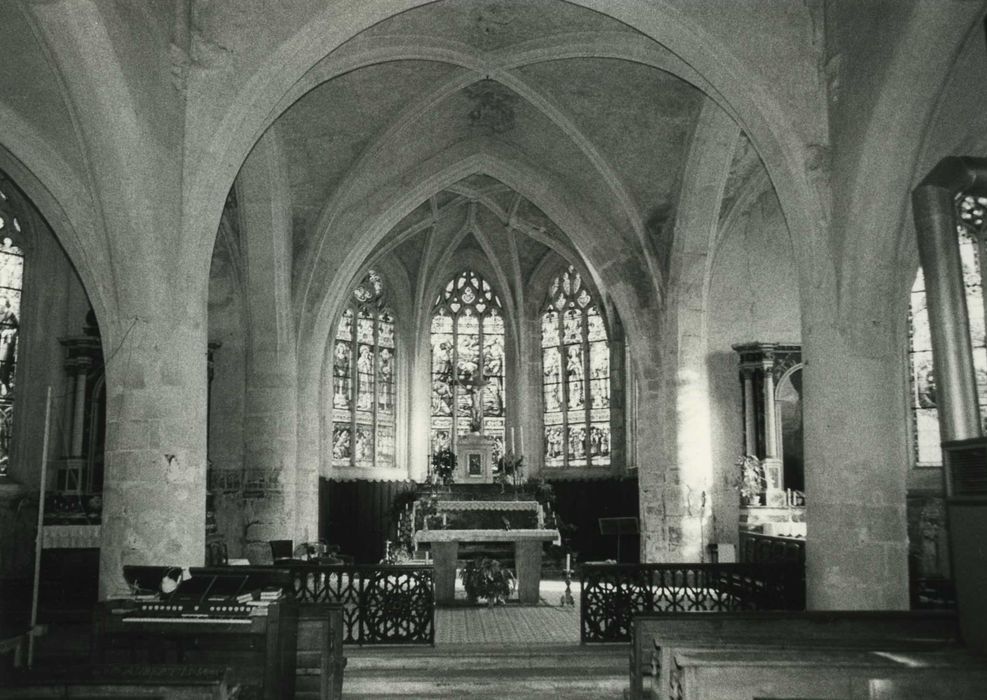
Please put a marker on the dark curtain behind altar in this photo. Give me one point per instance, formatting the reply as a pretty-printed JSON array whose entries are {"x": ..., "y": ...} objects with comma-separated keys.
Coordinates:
[{"x": 358, "y": 516}]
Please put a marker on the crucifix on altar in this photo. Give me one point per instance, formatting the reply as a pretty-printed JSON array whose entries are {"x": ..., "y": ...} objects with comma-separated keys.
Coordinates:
[{"x": 475, "y": 457}]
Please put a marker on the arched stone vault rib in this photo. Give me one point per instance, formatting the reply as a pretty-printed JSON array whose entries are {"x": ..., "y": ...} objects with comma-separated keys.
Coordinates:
[
  {"x": 63, "y": 201},
  {"x": 509, "y": 297},
  {"x": 79, "y": 225},
  {"x": 473, "y": 61},
  {"x": 465, "y": 159},
  {"x": 751, "y": 190},
  {"x": 886, "y": 163},
  {"x": 523, "y": 177},
  {"x": 732, "y": 83},
  {"x": 383, "y": 49}
]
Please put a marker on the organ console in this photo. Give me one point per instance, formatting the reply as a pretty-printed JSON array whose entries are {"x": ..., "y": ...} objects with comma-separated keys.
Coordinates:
[{"x": 239, "y": 617}]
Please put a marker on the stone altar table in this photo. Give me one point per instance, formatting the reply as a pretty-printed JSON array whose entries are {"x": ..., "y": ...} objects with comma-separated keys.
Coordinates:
[{"x": 527, "y": 556}]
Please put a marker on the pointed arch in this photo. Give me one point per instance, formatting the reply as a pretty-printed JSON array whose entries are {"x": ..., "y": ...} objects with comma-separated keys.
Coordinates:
[{"x": 467, "y": 339}]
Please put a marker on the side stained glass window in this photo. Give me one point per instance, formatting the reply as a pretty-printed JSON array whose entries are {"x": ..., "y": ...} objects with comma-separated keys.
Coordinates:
[
  {"x": 467, "y": 338},
  {"x": 925, "y": 414},
  {"x": 11, "y": 277},
  {"x": 363, "y": 382},
  {"x": 575, "y": 376}
]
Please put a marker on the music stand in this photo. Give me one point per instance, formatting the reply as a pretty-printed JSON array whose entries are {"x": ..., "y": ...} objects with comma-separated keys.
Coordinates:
[{"x": 618, "y": 527}]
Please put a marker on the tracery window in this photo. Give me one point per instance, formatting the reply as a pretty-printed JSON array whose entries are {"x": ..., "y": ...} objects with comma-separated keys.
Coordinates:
[
  {"x": 576, "y": 376},
  {"x": 363, "y": 382},
  {"x": 925, "y": 414},
  {"x": 467, "y": 338},
  {"x": 11, "y": 277}
]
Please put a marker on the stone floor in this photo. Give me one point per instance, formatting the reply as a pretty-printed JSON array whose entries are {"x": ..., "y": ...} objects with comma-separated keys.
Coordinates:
[
  {"x": 547, "y": 623},
  {"x": 509, "y": 651}
]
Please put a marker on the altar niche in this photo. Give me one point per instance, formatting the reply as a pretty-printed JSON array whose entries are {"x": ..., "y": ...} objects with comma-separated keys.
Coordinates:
[
  {"x": 476, "y": 463},
  {"x": 770, "y": 376}
]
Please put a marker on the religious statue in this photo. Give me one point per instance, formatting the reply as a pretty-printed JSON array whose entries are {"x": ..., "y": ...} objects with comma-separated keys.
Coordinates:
[
  {"x": 341, "y": 376},
  {"x": 8, "y": 347},
  {"x": 574, "y": 371}
]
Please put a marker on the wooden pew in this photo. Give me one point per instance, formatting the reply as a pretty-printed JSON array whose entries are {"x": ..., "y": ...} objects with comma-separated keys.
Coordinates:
[
  {"x": 320, "y": 661},
  {"x": 162, "y": 682},
  {"x": 825, "y": 674},
  {"x": 958, "y": 686},
  {"x": 654, "y": 636}
]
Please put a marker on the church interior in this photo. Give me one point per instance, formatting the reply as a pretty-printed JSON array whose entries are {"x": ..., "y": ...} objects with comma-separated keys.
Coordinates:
[{"x": 280, "y": 279}]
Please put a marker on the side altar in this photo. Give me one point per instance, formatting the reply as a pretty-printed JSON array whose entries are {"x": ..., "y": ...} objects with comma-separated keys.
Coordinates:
[{"x": 454, "y": 521}]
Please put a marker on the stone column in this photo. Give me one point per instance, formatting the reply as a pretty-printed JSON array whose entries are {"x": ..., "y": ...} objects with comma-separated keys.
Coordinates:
[
  {"x": 750, "y": 424},
  {"x": 772, "y": 463},
  {"x": 155, "y": 459},
  {"x": 856, "y": 542},
  {"x": 271, "y": 402}
]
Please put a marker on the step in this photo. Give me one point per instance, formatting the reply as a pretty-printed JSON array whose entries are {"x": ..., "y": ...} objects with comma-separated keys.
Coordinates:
[
  {"x": 480, "y": 656},
  {"x": 487, "y": 671}
]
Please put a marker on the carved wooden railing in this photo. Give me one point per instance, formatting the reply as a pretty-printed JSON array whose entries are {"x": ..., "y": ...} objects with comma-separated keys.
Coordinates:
[
  {"x": 612, "y": 594},
  {"x": 756, "y": 548},
  {"x": 381, "y": 604}
]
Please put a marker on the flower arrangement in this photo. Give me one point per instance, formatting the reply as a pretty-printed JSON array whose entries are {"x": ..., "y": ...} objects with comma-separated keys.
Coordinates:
[
  {"x": 485, "y": 578},
  {"x": 751, "y": 479},
  {"x": 444, "y": 466},
  {"x": 511, "y": 468}
]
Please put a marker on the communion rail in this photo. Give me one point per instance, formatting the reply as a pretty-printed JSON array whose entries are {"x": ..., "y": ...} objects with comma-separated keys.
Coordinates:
[
  {"x": 381, "y": 604},
  {"x": 612, "y": 594}
]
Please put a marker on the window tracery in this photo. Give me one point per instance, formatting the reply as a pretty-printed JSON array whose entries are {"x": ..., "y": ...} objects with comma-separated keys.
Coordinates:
[
  {"x": 467, "y": 341},
  {"x": 576, "y": 376},
  {"x": 363, "y": 395}
]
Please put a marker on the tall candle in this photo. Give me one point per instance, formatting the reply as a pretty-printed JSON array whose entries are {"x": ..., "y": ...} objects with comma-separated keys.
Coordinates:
[
  {"x": 511, "y": 446},
  {"x": 567, "y": 562},
  {"x": 522, "y": 440}
]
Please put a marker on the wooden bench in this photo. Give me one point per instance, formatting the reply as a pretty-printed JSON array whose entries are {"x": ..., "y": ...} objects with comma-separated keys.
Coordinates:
[
  {"x": 654, "y": 636},
  {"x": 162, "y": 682},
  {"x": 809, "y": 673},
  {"x": 955, "y": 686},
  {"x": 320, "y": 661}
]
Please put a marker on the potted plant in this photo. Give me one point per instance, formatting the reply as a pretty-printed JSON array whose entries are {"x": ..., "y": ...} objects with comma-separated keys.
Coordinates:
[
  {"x": 444, "y": 466},
  {"x": 486, "y": 579},
  {"x": 751, "y": 480}
]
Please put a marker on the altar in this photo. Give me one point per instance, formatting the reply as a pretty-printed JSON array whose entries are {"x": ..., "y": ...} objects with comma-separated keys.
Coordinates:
[{"x": 528, "y": 545}]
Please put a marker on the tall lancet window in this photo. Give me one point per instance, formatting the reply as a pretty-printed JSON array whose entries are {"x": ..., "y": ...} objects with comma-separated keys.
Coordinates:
[
  {"x": 467, "y": 338},
  {"x": 925, "y": 414},
  {"x": 11, "y": 276},
  {"x": 576, "y": 376},
  {"x": 363, "y": 387}
]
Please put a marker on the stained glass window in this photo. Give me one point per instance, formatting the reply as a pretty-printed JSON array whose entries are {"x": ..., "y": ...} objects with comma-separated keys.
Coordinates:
[
  {"x": 575, "y": 376},
  {"x": 11, "y": 276},
  {"x": 467, "y": 337},
  {"x": 925, "y": 414},
  {"x": 363, "y": 381}
]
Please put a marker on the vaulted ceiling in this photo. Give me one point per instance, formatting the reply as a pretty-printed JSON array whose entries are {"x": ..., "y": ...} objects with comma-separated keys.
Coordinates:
[{"x": 556, "y": 86}]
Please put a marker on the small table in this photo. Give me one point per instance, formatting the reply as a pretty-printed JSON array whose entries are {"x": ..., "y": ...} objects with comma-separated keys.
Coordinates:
[{"x": 527, "y": 555}]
